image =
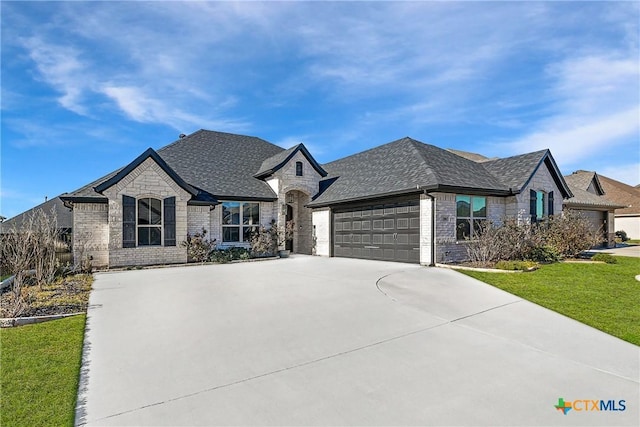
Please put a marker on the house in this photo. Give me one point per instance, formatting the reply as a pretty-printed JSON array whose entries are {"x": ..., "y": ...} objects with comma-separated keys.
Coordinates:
[
  {"x": 54, "y": 206},
  {"x": 627, "y": 217},
  {"x": 403, "y": 201},
  {"x": 589, "y": 199}
]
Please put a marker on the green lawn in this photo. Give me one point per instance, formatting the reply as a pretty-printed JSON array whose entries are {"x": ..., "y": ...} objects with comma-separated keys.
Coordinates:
[
  {"x": 40, "y": 366},
  {"x": 605, "y": 296}
]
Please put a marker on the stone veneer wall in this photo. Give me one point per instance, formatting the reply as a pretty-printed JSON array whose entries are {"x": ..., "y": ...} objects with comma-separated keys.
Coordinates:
[
  {"x": 302, "y": 188},
  {"x": 91, "y": 233},
  {"x": 426, "y": 211},
  {"x": 147, "y": 180}
]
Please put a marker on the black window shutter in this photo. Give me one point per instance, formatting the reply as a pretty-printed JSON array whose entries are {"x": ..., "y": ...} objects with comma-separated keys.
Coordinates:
[
  {"x": 550, "y": 202},
  {"x": 170, "y": 221},
  {"x": 533, "y": 198},
  {"x": 128, "y": 222}
]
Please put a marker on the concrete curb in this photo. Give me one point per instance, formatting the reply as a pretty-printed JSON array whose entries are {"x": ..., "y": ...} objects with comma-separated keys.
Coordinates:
[
  {"x": 486, "y": 270},
  {"x": 187, "y": 264},
  {"x": 20, "y": 321}
]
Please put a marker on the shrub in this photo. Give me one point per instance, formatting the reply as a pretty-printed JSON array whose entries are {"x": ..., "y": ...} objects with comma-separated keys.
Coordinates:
[
  {"x": 198, "y": 246},
  {"x": 546, "y": 254},
  {"x": 609, "y": 259},
  {"x": 223, "y": 256},
  {"x": 264, "y": 242},
  {"x": 515, "y": 265},
  {"x": 622, "y": 235}
]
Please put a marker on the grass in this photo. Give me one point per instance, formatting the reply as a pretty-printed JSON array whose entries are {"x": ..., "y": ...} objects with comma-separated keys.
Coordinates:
[
  {"x": 605, "y": 296},
  {"x": 40, "y": 372}
]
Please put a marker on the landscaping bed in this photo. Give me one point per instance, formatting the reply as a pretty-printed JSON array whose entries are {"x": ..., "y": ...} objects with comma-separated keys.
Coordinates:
[{"x": 65, "y": 295}]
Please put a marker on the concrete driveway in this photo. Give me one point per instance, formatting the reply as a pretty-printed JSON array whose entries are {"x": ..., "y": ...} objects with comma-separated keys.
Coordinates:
[{"x": 317, "y": 341}]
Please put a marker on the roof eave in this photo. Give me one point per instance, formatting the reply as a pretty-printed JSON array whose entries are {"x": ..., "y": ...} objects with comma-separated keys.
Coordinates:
[{"x": 150, "y": 152}]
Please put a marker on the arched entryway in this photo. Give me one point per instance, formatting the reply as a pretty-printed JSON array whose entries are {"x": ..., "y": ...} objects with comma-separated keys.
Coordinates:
[{"x": 297, "y": 212}]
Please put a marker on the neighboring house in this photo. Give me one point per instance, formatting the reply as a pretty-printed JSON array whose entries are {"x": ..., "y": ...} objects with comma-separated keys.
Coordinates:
[
  {"x": 55, "y": 206},
  {"x": 628, "y": 217},
  {"x": 402, "y": 201},
  {"x": 589, "y": 199}
]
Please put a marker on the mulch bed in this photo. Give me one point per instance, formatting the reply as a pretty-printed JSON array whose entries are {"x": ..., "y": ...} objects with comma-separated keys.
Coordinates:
[{"x": 66, "y": 295}]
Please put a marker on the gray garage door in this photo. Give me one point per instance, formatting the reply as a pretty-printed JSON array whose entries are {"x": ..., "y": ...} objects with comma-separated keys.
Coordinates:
[{"x": 388, "y": 230}]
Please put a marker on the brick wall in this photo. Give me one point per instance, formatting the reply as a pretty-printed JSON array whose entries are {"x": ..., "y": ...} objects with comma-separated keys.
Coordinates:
[
  {"x": 147, "y": 180},
  {"x": 300, "y": 189},
  {"x": 91, "y": 233}
]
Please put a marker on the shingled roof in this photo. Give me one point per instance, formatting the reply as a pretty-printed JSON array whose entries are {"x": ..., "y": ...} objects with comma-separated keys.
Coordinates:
[
  {"x": 64, "y": 216},
  {"x": 587, "y": 191},
  {"x": 407, "y": 165},
  {"x": 215, "y": 163},
  {"x": 623, "y": 194}
]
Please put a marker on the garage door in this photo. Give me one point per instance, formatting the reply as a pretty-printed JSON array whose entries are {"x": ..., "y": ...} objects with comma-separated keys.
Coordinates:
[{"x": 388, "y": 231}]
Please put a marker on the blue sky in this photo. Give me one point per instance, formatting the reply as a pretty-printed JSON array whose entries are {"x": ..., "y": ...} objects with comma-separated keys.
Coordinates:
[{"x": 88, "y": 86}]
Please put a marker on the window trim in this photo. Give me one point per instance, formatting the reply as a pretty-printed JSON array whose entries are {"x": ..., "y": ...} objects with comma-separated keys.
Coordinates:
[
  {"x": 299, "y": 169},
  {"x": 240, "y": 226},
  {"x": 471, "y": 218}
]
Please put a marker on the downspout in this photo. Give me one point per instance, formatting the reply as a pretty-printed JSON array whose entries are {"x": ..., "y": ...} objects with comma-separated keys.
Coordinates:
[{"x": 433, "y": 228}]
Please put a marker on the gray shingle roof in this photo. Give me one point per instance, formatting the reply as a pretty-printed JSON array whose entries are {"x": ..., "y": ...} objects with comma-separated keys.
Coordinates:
[
  {"x": 400, "y": 167},
  {"x": 221, "y": 164},
  {"x": 63, "y": 215},
  {"x": 515, "y": 171}
]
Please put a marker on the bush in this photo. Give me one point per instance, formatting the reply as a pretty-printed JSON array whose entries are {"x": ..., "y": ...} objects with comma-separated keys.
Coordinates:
[
  {"x": 622, "y": 235},
  {"x": 515, "y": 265},
  {"x": 546, "y": 254},
  {"x": 609, "y": 259},
  {"x": 198, "y": 247},
  {"x": 223, "y": 256}
]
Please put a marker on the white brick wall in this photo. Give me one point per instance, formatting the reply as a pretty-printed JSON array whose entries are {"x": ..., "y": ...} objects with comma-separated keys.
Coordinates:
[
  {"x": 301, "y": 188},
  {"x": 197, "y": 219},
  {"x": 91, "y": 233},
  {"x": 147, "y": 180},
  {"x": 322, "y": 223}
]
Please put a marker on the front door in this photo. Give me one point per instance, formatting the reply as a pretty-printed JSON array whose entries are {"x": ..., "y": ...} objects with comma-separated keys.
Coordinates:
[{"x": 288, "y": 244}]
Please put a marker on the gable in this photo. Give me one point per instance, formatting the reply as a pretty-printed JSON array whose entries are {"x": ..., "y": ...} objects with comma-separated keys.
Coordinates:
[{"x": 274, "y": 163}]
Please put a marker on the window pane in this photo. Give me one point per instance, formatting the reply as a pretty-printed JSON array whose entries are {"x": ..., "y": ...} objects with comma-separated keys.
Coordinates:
[
  {"x": 247, "y": 232},
  {"x": 231, "y": 213},
  {"x": 231, "y": 234},
  {"x": 463, "y": 206},
  {"x": 298, "y": 168},
  {"x": 540, "y": 204},
  {"x": 155, "y": 236},
  {"x": 479, "y": 226},
  {"x": 156, "y": 211},
  {"x": 463, "y": 229},
  {"x": 480, "y": 207},
  {"x": 251, "y": 213},
  {"x": 143, "y": 211},
  {"x": 143, "y": 236}
]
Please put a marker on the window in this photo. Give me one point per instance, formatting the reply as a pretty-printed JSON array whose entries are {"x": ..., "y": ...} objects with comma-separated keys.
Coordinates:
[
  {"x": 239, "y": 220},
  {"x": 298, "y": 168},
  {"x": 540, "y": 204},
  {"x": 471, "y": 214},
  {"x": 149, "y": 222}
]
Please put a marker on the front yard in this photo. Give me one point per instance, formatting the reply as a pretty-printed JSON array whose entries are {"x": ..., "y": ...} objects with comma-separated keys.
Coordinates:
[
  {"x": 604, "y": 296},
  {"x": 40, "y": 372}
]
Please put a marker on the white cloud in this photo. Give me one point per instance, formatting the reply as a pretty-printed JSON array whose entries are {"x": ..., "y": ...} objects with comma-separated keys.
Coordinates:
[
  {"x": 594, "y": 108},
  {"x": 61, "y": 67}
]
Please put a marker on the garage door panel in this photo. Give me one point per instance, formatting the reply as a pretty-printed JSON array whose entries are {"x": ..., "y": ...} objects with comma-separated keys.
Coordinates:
[{"x": 387, "y": 231}]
